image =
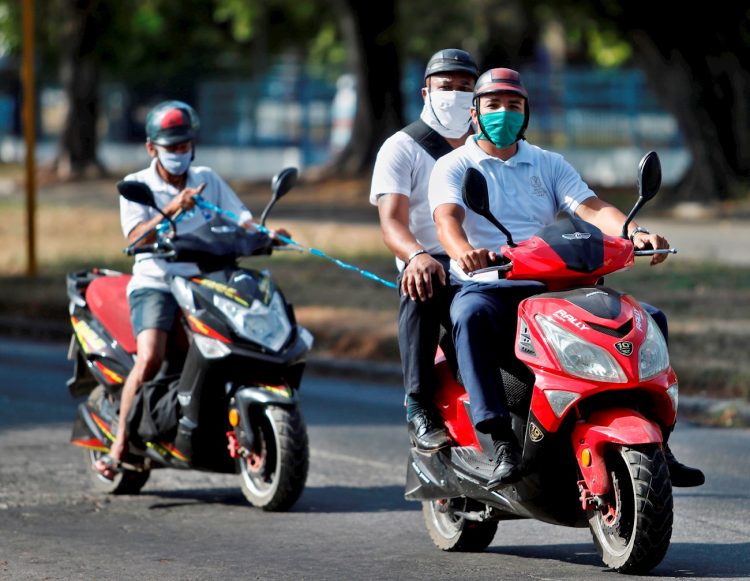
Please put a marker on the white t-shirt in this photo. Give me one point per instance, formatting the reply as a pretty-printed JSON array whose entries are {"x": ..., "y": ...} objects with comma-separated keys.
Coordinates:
[
  {"x": 403, "y": 167},
  {"x": 526, "y": 192},
  {"x": 150, "y": 272}
]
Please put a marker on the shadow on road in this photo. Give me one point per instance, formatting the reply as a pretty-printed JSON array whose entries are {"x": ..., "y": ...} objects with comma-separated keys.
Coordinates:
[
  {"x": 321, "y": 499},
  {"x": 688, "y": 560}
]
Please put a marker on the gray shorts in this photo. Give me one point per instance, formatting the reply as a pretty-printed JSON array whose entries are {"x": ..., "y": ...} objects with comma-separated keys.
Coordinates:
[{"x": 152, "y": 309}]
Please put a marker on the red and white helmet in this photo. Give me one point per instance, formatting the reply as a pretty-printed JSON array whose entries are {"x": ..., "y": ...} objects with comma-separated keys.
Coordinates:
[{"x": 171, "y": 122}]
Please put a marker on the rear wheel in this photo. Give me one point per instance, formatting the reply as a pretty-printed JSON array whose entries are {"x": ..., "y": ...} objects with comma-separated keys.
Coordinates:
[
  {"x": 633, "y": 532},
  {"x": 451, "y": 531},
  {"x": 274, "y": 472},
  {"x": 125, "y": 481}
]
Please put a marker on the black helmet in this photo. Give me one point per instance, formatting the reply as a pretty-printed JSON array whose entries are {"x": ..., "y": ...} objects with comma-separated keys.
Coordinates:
[
  {"x": 171, "y": 122},
  {"x": 451, "y": 60},
  {"x": 502, "y": 81}
]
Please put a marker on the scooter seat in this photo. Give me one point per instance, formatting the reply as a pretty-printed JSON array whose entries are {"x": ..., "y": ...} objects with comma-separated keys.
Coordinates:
[{"x": 108, "y": 301}]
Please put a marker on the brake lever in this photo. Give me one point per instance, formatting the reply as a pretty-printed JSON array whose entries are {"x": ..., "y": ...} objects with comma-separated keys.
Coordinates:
[
  {"x": 653, "y": 251},
  {"x": 498, "y": 268}
]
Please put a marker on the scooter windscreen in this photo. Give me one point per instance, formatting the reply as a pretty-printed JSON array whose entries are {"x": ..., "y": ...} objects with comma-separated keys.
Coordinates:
[
  {"x": 219, "y": 239},
  {"x": 579, "y": 244}
]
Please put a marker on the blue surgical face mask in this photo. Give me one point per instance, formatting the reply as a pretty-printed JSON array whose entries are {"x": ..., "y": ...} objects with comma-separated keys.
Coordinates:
[
  {"x": 501, "y": 127},
  {"x": 175, "y": 163}
]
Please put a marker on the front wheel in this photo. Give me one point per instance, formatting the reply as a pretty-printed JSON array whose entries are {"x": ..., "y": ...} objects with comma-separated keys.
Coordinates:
[
  {"x": 274, "y": 471},
  {"x": 632, "y": 533},
  {"x": 451, "y": 531}
]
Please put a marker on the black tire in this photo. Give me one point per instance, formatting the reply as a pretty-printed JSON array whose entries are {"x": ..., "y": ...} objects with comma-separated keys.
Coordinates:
[
  {"x": 634, "y": 534},
  {"x": 125, "y": 481},
  {"x": 452, "y": 532},
  {"x": 274, "y": 474}
]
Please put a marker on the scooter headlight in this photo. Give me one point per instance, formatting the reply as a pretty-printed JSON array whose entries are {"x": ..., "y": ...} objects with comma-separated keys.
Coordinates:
[
  {"x": 653, "y": 356},
  {"x": 578, "y": 357},
  {"x": 267, "y": 325}
]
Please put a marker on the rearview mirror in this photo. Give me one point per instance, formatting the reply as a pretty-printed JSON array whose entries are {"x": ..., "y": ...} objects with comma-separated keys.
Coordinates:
[
  {"x": 281, "y": 183},
  {"x": 137, "y": 192},
  {"x": 649, "y": 175},
  {"x": 284, "y": 181},
  {"x": 476, "y": 196},
  {"x": 649, "y": 182}
]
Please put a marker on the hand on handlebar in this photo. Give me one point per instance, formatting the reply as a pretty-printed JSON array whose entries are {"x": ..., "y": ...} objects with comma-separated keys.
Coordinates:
[
  {"x": 644, "y": 241},
  {"x": 476, "y": 259},
  {"x": 184, "y": 200},
  {"x": 279, "y": 232}
]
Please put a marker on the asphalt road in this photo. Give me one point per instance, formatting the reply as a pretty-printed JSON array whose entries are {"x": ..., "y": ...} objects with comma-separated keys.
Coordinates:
[{"x": 351, "y": 522}]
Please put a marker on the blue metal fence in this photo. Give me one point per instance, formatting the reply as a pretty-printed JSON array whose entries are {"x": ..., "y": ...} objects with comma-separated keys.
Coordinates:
[{"x": 288, "y": 107}]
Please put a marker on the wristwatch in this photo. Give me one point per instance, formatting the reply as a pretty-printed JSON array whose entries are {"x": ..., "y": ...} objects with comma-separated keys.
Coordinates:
[
  {"x": 637, "y": 230},
  {"x": 414, "y": 254}
]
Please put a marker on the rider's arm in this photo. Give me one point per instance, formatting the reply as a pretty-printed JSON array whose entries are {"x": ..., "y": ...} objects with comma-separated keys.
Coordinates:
[
  {"x": 610, "y": 220},
  {"x": 182, "y": 201},
  {"x": 416, "y": 281},
  {"x": 449, "y": 220},
  {"x": 393, "y": 211}
]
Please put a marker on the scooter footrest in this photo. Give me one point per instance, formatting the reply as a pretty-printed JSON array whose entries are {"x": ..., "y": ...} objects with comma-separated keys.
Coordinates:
[{"x": 472, "y": 461}]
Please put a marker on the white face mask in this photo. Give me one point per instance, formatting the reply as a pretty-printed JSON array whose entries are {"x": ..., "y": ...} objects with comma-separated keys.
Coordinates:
[
  {"x": 175, "y": 163},
  {"x": 447, "y": 112}
]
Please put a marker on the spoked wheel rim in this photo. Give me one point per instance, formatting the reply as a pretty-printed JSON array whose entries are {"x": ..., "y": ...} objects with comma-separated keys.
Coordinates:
[
  {"x": 617, "y": 521},
  {"x": 260, "y": 468},
  {"x": 632, "y": 534},
  {"x": 443, "y": 512}
]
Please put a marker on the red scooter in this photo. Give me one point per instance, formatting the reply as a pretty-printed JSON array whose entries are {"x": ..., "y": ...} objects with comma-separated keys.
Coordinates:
[{"x": 591, "y": 393}]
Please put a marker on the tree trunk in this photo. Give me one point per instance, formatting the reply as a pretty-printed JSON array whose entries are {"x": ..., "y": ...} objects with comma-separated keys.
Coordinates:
[
  {"x": 698, "y": 69},
  {"x": 368, "y": 31},
  {"x": 79, "y": 71}
]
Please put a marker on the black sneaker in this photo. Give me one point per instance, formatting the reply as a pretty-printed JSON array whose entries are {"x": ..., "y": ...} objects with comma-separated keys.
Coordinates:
[
  {"x": 681, "y": 475},
  {"x": 425, "y": 434},
  {"x": 507, "y": 470}
]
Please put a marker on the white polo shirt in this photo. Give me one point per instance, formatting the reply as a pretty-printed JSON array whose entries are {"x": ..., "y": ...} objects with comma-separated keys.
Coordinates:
[
  {"x": 403, "y": 167},
  {"x": 526, "y": 192},
  {"x": 150, "y": 272}
]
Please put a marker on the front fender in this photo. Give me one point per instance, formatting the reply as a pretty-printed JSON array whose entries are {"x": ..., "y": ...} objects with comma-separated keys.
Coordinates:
[{"x": 592, "y": 437}]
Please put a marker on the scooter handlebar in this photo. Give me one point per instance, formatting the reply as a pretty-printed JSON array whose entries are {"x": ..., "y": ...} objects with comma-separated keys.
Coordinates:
[{"x": 653, "y": 251}]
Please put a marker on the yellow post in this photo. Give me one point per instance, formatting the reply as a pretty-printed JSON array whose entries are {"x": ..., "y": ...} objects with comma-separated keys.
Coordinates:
[{"x": 29, "y": 131}]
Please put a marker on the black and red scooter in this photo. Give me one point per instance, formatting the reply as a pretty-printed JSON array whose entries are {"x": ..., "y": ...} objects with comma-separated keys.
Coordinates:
[
  {"x": 226, "y": 400},
  {"x": 591, "y": 393}
]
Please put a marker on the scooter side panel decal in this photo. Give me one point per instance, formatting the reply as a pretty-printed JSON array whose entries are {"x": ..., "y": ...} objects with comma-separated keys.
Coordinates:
[
  {"x": 92, "y": 443},
  {"x": 200, "y": 327},
  {"x": 103, "y": 426},
  {"x": 113, "y": 377},
  {"x": 166, "y": 449},
  {"x": 90, "y": 341},
  {"x": 226, "y": 290}
]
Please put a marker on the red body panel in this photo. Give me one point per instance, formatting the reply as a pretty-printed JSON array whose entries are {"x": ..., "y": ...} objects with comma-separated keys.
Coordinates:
[
  {"x": 605, "y": 427},
  {"x": 534, "y": 259},
  {"x": 450, "y": 400},
  {"x": 108, "y": 302}
]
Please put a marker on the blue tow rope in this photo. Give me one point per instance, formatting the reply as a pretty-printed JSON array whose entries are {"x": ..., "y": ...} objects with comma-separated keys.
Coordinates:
[{"x": 203, "y": 204}]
